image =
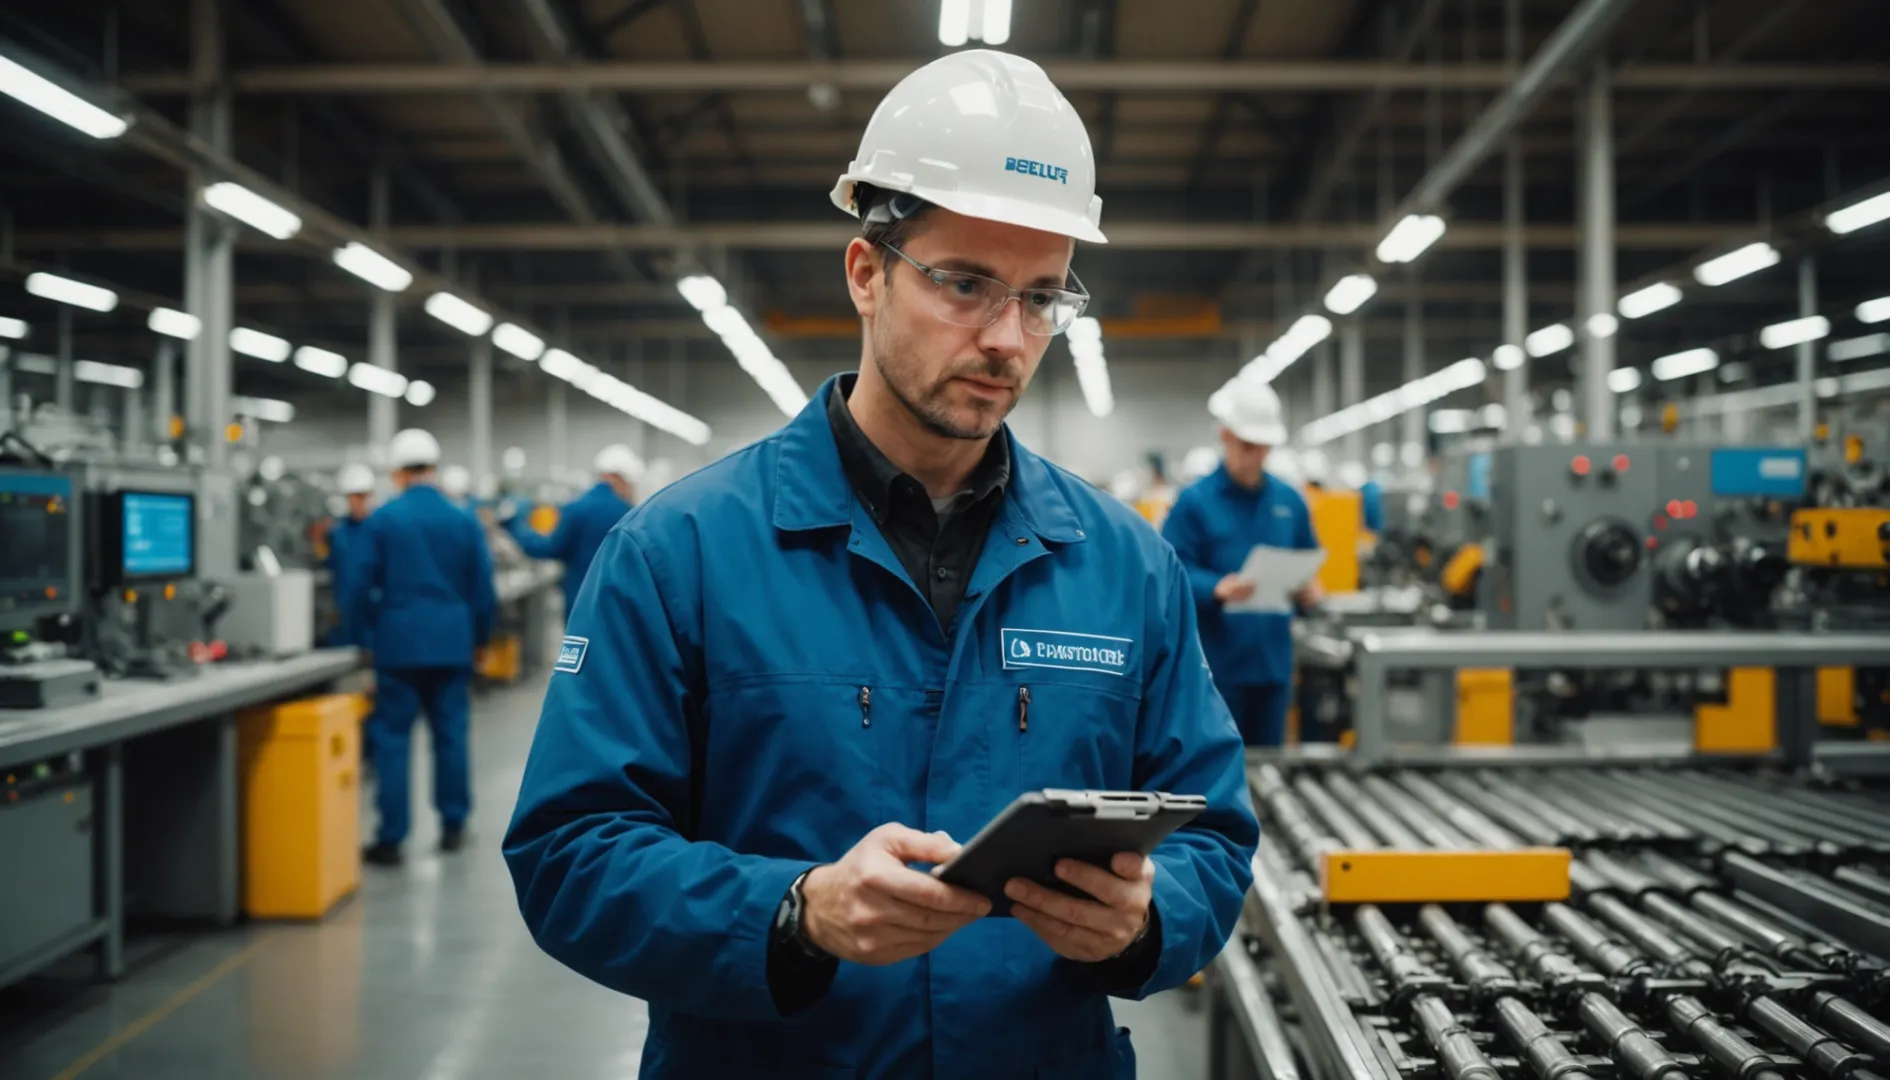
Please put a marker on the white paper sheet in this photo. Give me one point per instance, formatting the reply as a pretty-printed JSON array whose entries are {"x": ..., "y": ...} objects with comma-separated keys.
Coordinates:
[{"x": 1277, "y": 573}]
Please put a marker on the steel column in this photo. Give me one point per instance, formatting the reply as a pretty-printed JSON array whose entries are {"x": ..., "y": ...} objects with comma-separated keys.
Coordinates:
[
  {"x": 480, "y": 396},
  {"x": 64, "y": 393},
  {"x": 1515, "y": 257},
  {"x": 209, "y": 261},
  {"x": 1597, "y": 271},
  {"x": 1352, "y": 381},
  {"x": 1324, "y": 400},
  {"x": 1411, "y": 424},
  {"x": 164, "y": 390},
  {"x": 383, "y": 412},
  {"x": 558, "y": 438},
  {"x": 1807, "y": 351}
]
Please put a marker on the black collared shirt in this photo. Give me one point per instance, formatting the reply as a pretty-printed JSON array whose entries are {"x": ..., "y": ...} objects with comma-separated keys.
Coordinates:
[{"x": 939, "y": 548}]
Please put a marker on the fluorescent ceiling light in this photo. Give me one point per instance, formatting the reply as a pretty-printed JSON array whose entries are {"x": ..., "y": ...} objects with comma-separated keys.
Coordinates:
[
  {"x": 458, "y": 314},
  {"x": 173, "y": 323},
  {"x": 954, "y": 22},
  {"x": 660, "y": 415},
  {"x": 377, "y": 380},
  {"x": 372, "y": 267},
  {"x": 57, "y": 102},
  {"x": 1409, "y": 238},
  {"x": 329, "y": 365},
  {"x": 997, "y": 22},
  {"x": 1092, "y": 369},
  {"x": 1858, "y": 347},
  {"x": 1624, "y": 380},
  {"x": 275, "y": 412},
  {"x": 1795, "y": 332},
  {"x": 1682, "y": 364},
  {"x": 1451, "y": 421},
  {"x": 1601, "y": 326},
  {"x": 518, "y": 341},
  {"x": 12, "y": 328},
  {"x": 1549, "y": 340},
  {"x": 1508, "y": 357},
  {"x": 1736, "y": 264},
  {"x": 1086, "y": 328},
  {"x": 1350, "y": 293},
  {"x": 562, "y": 365},
  {"x": 91, "y": 371},
  {"x": 1642, "y": 302},
  {"x": 259, "y": 345},
  {"x": 420, "y": 393},
  {"x": 1493, "y": 415},
  {"x": 1859, "y": 214},
  {"x": 67, "y": 291},
  {"x": 252, "y": 209},
  {"x": 703, "y": 292},
  {"x": 1874, "y": 311}
]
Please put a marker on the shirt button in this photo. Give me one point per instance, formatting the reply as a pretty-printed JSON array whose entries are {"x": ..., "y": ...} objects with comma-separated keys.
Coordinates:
[{"x": 941, "y": 573}]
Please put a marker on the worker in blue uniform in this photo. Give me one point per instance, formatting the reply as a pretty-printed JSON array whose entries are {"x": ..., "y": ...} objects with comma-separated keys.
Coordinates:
[
  {"x": 356, "y": 484},
  {"x": 1215, "y": 523},
  {"x": 423, "y": 585},
  {"x": 1371, "y": 497},
  {"x": 796, "y": 673},
  {"x": 586, "y": 520}
]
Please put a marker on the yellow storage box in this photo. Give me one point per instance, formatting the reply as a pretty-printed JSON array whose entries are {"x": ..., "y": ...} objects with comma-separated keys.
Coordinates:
[
  {"x": 501, "y": 660},
  {"x": 300, "y": 764}
]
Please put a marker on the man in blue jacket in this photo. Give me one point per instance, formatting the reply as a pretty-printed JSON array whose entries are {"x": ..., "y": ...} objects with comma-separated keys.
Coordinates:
[
  {"x": 797, "y": 672},
  {"x": 423, "y": 586},
  {"x": 356, "y": 484},
  {"x": 586, "y": 520},
  {"x": 1215, "y": 522}
]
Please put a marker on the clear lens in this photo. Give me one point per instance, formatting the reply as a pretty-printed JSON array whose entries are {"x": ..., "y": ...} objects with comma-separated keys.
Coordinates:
[{"x": 978, "y": 301}]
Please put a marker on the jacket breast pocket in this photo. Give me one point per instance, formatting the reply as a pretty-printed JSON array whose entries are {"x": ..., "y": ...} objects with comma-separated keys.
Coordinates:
[{"x": 1076, "y": 732}]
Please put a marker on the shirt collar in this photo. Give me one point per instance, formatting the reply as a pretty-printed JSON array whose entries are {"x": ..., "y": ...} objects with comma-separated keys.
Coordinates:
[{"x": 873, "y": 475}]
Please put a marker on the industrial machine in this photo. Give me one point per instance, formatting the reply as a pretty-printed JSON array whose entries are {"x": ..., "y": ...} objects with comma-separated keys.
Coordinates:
[
  {"x": 151, "y": 613},
  {"x": 41, "y": 590}
]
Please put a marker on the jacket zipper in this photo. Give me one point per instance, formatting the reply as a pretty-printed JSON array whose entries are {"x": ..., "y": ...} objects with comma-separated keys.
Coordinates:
[
  {"x": 866, "y": 706},
  {"x": 1023, "y": 709}
]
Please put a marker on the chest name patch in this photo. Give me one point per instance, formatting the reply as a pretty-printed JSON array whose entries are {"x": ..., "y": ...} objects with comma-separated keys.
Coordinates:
[
  {"x": 571, "y": 654},
  {"x": 1071, "y": 652}
]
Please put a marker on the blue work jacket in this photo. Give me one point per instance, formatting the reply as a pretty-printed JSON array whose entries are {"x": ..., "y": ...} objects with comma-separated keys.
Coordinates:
[
  {"x": 1371, "y": 499},
  {"x": 1213, "y": 525},
  {"x": 582, "y": 525},
  {"x": 422, "y": 582},
  {"x": 751, "y": 683},
  {"x": 344, "y": 536}
]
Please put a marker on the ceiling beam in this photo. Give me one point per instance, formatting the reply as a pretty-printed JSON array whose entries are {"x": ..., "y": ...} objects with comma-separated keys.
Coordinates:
[
  {"x": 1126, "y": 76},
  {"x": 813, "y": 236}
]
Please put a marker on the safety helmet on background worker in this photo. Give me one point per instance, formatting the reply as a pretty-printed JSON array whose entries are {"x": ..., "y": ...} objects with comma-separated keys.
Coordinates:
[
  {"x": 949, "y": 134},
  {"x": 456, "y": 480},
  {"x": 617, "y": 460},
  {"x": 1251, "y": 410},
  {"x": 413, "y": 449},
  {"x": 355, "y": 479},
  {"x": 1199, "y": 462}
]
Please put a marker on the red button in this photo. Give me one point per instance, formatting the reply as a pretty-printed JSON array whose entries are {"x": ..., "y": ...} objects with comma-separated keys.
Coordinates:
[
  {"x": 1692, "y": 508},
  {"x": 1450, "y": 500},
  {"x": 1580, "y": 465},
  {"x": 1652, "y": 543},
  {"x": 1621, "y": 463},
  {"x": 1660, "y": 521},
  {"x": 1674, "y": 509}
]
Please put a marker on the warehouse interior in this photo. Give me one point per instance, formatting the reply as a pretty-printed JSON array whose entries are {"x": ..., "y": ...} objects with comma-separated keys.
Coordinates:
[{"x": 1577, "y": 311}]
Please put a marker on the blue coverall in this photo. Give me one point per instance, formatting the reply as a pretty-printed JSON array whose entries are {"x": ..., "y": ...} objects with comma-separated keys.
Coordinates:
[
  {"x": 423, "y": 586},
  {"x": 343, "y": 535},
  {"x": 1371, "y": 499},
  {"x": 751, "y": 683},
  {"x": 1214, "y": 524},
  {"x": 582, "y": 525}
]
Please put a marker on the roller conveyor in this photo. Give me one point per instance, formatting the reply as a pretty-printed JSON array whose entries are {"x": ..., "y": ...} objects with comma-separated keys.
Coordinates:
[{"x": 1718, "y": 925}]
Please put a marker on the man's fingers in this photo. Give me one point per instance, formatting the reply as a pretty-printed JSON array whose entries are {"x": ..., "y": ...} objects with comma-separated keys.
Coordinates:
[
  {"x": 1064, "y": 938},
  {"x": 895, "y": 912},
  {"x": 923, "y": 890},
  {"x": 1097, "y": 882},
  {"x": 1131, "y": 866},
  {"x": 1087, "y": 913},
  {"x": 912, "y": 846}
]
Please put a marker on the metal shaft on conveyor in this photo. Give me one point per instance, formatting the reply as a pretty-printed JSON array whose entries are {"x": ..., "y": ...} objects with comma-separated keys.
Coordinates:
[
  {"x": 1491, "y": 980},
  {"x": 1627, "y": 1043},
  {"x": 1389, "y": 829},
  {"x": 1506, "y": 812},
  {"x": 1821, "y": 1051},
  {"x": 1456, "y": 1049},
  {"x": 1735, "y": 1054},
  {"x": 1461, "y": 817},
  {"x": 1343, "y": 824},
  {"x": 1847, "y": 1019}
]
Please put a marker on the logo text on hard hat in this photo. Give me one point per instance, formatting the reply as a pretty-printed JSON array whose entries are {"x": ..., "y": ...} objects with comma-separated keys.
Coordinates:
[{"x": 1037, "y": 168}]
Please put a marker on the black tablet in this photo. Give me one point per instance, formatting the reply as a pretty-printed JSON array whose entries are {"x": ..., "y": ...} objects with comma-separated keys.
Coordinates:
[{"x": 1041, "y": 827}]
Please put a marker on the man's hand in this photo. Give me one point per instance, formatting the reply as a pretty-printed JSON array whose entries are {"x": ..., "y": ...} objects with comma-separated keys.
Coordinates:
[
  {"x": 1088, "y": 930},
  {"x": 1233, "y": 587},
  {"x": 1309, "y": 594},
  {"x": 870, "y": 908}
]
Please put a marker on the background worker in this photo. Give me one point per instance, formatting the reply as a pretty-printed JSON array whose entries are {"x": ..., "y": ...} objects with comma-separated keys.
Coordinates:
[
  {"x": 342, "y": 534},
  {"x": 586, "y": 520},
  {"x": 797, "y": 671},
  {"x": 423, "y": 587},
  {"x": 1216, "y": 521}
]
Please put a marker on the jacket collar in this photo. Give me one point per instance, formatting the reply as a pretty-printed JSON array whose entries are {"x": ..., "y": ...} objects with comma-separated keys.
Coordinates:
[{"x": 811, "y": 489}]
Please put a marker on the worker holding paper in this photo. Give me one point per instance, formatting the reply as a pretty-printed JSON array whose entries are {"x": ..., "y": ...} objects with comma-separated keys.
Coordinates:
[{"x": 1247, "y": 542}]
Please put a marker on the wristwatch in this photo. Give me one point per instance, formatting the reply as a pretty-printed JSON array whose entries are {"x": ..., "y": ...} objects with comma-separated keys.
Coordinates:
[{"x": 789, "y": 925}]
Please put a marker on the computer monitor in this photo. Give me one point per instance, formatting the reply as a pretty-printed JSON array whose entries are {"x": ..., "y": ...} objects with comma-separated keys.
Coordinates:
[
  {"x": 40, "y": 563},
  {"x": 148, "y": 536}
]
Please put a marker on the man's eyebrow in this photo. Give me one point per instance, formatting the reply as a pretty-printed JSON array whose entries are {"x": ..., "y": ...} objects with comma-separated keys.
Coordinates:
[{"x": 970, "y": 266}]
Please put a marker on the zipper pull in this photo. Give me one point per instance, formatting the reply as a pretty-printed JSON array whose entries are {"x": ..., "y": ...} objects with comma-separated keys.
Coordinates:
[
  {"x": 1023, "y": 708},
  {"x": 866, "y": 706}
]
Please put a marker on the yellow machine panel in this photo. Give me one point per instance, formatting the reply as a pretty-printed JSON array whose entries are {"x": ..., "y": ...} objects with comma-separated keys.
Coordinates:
[
  {"x": 1747, "y": 723},
  {"x": 1486, "y": 707},
  {"x": 1837, "y": 696},
  {"x": 1459, "y": 577},
  {"x": 1848, "y": 538},
  {"x": 1444, "y": 877},
  {"x": 1338, "y": 520}
]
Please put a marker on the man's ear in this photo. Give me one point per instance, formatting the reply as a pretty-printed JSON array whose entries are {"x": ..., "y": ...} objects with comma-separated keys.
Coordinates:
[{"x": 866, "y": 276}]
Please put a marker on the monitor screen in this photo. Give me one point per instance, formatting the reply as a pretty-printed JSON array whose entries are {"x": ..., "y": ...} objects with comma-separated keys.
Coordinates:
[
  {"x": 38, "y": 560},
  {"x": 159, "y": 534}
]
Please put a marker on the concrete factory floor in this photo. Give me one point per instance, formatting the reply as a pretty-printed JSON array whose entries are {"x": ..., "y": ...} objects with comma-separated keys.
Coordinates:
[{"x": 427, "y": 974}]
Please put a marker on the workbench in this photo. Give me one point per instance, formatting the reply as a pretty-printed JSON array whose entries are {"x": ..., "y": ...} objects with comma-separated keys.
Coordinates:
[{"x": 160, "y": 768}]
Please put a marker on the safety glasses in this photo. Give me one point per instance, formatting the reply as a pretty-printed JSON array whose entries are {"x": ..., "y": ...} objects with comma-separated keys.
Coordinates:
[{"x": 965, "y": 299}]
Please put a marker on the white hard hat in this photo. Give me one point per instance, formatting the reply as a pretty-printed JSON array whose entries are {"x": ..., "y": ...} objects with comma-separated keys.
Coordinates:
[
  {"x": 413, "y": 449},
  {"x": 1251, "y": 410},
  {"x": 617, "y": 460},
  {"x": 951, "y": 133},
  {"x": 1352, "y": 475},
  {"x": 1200, "y": 461},
  {"x": 356, "y": 479},
  {"x": 456, "y": 480}
]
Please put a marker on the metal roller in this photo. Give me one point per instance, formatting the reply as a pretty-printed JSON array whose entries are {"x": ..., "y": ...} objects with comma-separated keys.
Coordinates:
[
  {"x": 1431, "y": 829},
  {"x": 1847, "y": 1019},
  {"x": 1510, "y": 815},
  {"x": 1627, "y": 1043},
  {"x": 1816, "y": 1048},
  {"x": 1343, "y": 825},
  {"x": 1382, "y": 823},
  {"x": 1473, "y": 825},
  {"x": 1456, "y": 1050}
]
